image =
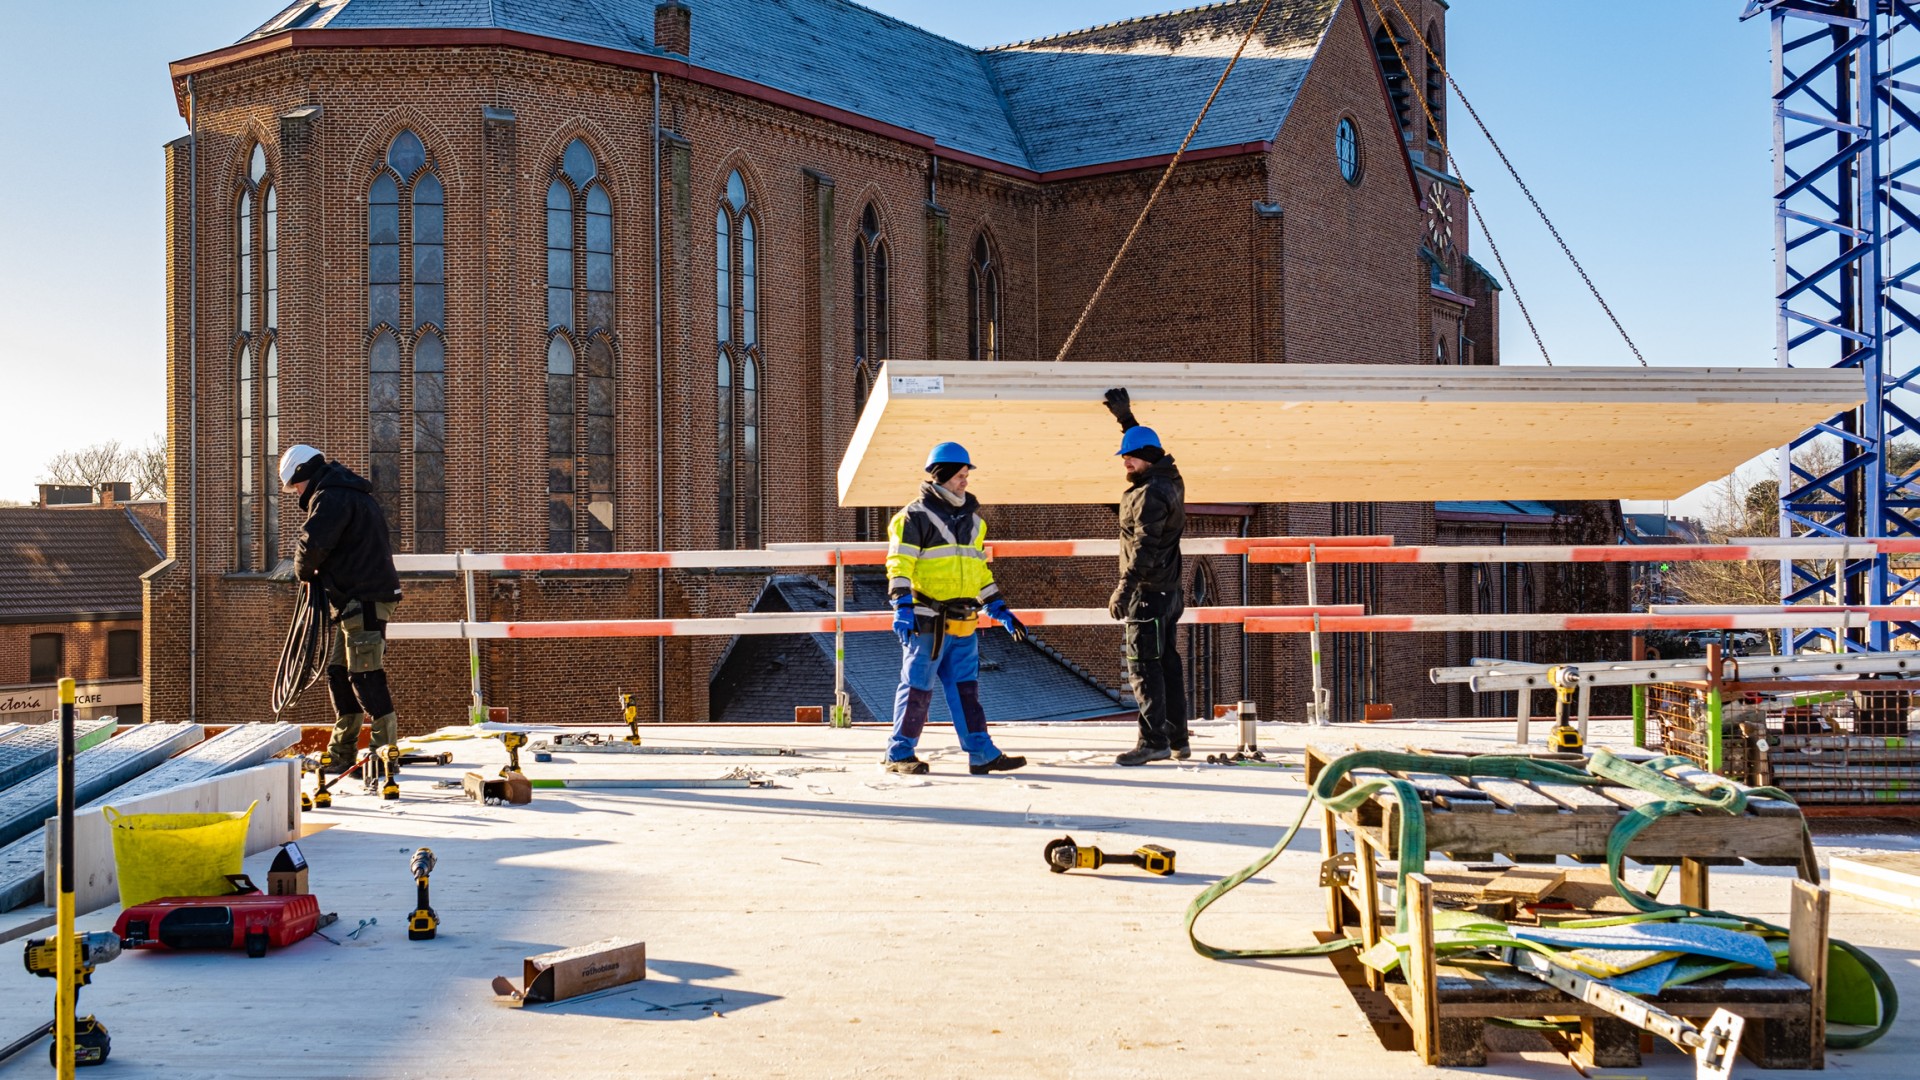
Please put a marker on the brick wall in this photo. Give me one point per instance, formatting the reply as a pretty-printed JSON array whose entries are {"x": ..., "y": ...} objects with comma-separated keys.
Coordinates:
[
  {"x": 1332, "y": 276},
  {"x": 84, "y": 648}
]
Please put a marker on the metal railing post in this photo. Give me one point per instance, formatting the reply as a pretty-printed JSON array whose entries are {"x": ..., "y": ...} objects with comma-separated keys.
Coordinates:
[
  {"x": 478, "y": 711},
  {"x": 1318, "y": 710},
  {"x": 842, "y": 713}
]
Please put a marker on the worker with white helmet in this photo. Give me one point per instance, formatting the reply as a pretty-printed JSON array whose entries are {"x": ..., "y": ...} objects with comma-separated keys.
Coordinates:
[
  {"x": 344, "y": 548},
  {"x": 938, "y": 581}
]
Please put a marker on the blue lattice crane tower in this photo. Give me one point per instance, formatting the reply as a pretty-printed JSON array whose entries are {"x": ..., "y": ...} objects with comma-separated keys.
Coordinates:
[{"x": 1846, "y": 154}]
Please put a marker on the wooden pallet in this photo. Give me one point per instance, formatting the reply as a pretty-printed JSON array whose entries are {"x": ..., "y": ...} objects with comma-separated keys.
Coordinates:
[{"x": 1447, "y": 1005}]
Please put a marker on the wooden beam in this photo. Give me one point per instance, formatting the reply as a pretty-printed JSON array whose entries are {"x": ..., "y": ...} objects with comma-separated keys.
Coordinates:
[{"x": 1260, "y": 433}]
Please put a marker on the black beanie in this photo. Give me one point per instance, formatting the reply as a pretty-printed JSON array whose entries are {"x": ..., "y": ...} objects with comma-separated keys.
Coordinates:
[
  {"x": 1149, "y": 454},
  {"x": 944, "y": 471}
]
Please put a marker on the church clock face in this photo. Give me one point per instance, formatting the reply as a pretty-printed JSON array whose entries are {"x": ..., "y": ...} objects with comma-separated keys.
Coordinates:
[{"x": 1439, "y": 220}]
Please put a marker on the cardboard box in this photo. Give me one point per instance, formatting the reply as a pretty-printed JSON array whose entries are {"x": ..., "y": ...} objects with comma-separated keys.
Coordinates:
[
  {"x": 288, "y": 874},
  {"x": 583, "y": 969},
  {"x": 514, "y": 788}
]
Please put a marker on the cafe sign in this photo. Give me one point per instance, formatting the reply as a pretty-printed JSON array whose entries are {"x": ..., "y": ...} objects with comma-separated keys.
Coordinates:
[{"x": 35, "y": 703}]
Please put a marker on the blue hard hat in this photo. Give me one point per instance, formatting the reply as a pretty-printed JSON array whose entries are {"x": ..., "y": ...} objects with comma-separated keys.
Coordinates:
[
  {"x": 1136, "y": 438},
  {"x": 948, "y": 453}
]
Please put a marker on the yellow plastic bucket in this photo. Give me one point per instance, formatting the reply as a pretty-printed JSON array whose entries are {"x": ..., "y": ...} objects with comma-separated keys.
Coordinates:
[{"x": 156, "y": 855}]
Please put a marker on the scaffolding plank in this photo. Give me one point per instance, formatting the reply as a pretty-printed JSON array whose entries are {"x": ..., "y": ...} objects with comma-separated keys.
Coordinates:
[
  {"x": 30, "y": 748},
  {"x": 24, "y": 806},
  {"x": 1311, "y": 432},
  {"x": 23, "y": 862}
]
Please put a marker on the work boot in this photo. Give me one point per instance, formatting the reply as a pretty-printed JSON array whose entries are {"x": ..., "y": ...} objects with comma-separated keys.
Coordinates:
[
  {"x": 1003, "y": 763},
  {"x": 1183, "y": 751},
  {"x": 912, "y": 766},
  {"x": 1142, "y": 754}
]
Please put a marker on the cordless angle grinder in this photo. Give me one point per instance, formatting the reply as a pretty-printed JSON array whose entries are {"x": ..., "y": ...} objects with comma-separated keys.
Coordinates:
[
  {"x": 1063, "y": 855},
  {"x": 90, "y": 1042}
]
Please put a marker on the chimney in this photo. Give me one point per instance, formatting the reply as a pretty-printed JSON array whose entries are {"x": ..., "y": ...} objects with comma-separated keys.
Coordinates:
[
  {"x": 65, "y": 495},
  {"x": 115, "y": 492},
  {"x": 673, "y": 27}
]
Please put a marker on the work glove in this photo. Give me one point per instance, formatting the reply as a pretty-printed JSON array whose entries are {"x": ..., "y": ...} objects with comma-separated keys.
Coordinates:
[
  {"x": 999, "y": 612},
  {"x": 1121, "y": 406},
  {"x": 903, "y": 620}
]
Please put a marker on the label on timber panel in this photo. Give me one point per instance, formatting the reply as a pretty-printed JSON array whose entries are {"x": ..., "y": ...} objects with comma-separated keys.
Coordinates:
[{"x": 919, "y": 384}]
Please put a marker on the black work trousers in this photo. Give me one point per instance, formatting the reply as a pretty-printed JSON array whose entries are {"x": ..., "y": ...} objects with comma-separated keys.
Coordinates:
[{"x": 1153, "y": 667}]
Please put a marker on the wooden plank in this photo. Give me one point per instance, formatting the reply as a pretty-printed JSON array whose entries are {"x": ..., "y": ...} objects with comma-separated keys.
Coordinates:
[
  {"x": 1368, "y": 858},
  {"x": 1693, "y": 883},
  {"x": 1760, "y": 805},
  {"x": 1449, "y": 793},
  {"x": 1580, "y": 800},
  {"x": 1516, "y": 796},
  {"x": 1529, "y": 885},
  {"x": 1310, "y": 432},
  {"x": 1677, "y": 837},
  {"x": 1807, "y": 960},
  {"x": 1420, "y": 969}
]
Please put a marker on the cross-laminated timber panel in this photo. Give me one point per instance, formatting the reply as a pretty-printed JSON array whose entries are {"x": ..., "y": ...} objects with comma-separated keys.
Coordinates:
[{"x": 1335, "y": 432}]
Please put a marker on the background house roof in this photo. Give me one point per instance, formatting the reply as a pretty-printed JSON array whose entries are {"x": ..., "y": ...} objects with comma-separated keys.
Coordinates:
[
  {"x": 1110, "y": 93},
  {"x": 60, "y": 564},
  {"x": 762, "y": 678}
]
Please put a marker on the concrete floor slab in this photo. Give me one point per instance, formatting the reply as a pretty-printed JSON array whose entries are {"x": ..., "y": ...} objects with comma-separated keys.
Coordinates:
[{"x": 844, "y": 923}]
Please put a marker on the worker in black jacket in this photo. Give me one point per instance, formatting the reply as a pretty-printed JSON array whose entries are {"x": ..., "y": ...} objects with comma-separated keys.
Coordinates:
[
  {"x": 345, "y": 549},
  {"x": 1153, "y": 516}
]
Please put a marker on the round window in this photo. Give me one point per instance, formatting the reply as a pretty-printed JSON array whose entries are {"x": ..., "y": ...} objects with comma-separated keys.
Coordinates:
[{"x": 1346, "y": 146}]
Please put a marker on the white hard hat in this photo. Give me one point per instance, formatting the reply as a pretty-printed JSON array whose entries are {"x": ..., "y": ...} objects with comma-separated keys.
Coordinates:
[{"x": 297, "y": 455}]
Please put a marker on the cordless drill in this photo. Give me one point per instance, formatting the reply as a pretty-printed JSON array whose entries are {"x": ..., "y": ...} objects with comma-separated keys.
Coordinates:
[
  {"x": 630, "y": 712},
  {"x": 423, "y": 923},
  {"x": 90, "y": 1041}
]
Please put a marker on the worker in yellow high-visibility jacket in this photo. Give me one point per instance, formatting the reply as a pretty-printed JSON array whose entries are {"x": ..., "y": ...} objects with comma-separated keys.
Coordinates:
[{"x": 938, "y": 582}]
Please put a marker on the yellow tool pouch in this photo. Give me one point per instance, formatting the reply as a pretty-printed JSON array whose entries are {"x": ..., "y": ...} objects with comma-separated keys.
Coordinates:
[{"x": 962, "y": 627}]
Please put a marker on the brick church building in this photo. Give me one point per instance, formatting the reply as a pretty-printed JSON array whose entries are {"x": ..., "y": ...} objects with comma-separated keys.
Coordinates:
[{"x": 585, "y": 276}]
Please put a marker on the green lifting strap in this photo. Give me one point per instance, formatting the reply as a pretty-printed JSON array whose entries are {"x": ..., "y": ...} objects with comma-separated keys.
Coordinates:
[{"x": 1675, "y": 797}]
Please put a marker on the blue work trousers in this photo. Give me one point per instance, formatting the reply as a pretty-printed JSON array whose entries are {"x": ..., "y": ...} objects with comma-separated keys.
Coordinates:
[{"x": 958, "y": 672}]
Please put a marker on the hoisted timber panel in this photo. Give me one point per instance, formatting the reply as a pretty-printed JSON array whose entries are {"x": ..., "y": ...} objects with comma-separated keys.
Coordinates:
[{"x": 1335, "y": 432}]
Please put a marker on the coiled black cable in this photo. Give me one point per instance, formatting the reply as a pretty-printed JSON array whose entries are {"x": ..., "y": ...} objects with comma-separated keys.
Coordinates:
[{"x": 303, "y": 657}]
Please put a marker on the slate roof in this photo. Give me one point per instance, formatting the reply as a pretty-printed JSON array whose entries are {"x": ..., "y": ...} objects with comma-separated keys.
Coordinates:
[
  {"x": 762, "y": 678},
  {"x": 1520, "y": 507},
  {"x": 1131, "y": 89},
  {"x": 59, "y": 565},
  {"x": 1111, "y": 93}
]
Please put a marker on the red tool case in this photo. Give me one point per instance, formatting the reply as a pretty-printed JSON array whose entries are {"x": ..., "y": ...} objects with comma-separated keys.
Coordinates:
[{"x": 250, "y": 921}]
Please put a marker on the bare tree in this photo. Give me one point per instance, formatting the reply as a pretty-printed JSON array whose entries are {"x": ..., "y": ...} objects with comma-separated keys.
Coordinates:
[
  {"x": 94, "y": 465},
  {"x": 1737, "y": 509},
  {"x": 144, "y": 468},
  {"x": 149, "y": 476}
]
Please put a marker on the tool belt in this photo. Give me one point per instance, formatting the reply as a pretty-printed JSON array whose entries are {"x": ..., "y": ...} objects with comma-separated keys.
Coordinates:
[{"x": 956, "y": 618}]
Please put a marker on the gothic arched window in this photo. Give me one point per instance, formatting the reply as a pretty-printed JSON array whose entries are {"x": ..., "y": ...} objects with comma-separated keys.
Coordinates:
[
  {"x": 1436, "y": 83},
  {"x": 580, "y": 354},
  {"x": 737, "y": 328},
  {"x": 256, "y": 404},
  {"x": 983, "y": 303},
  {"x": 1388, "y": 48},
  {"x": 407, "y": 354}
]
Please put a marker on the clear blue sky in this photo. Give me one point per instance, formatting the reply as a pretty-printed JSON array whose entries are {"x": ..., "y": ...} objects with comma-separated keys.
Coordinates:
[{"x": 1649, "y": 147}]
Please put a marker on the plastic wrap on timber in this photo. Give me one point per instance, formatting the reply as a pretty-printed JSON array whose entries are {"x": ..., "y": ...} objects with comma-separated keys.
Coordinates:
[{"x": 1320, "y": 432}]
